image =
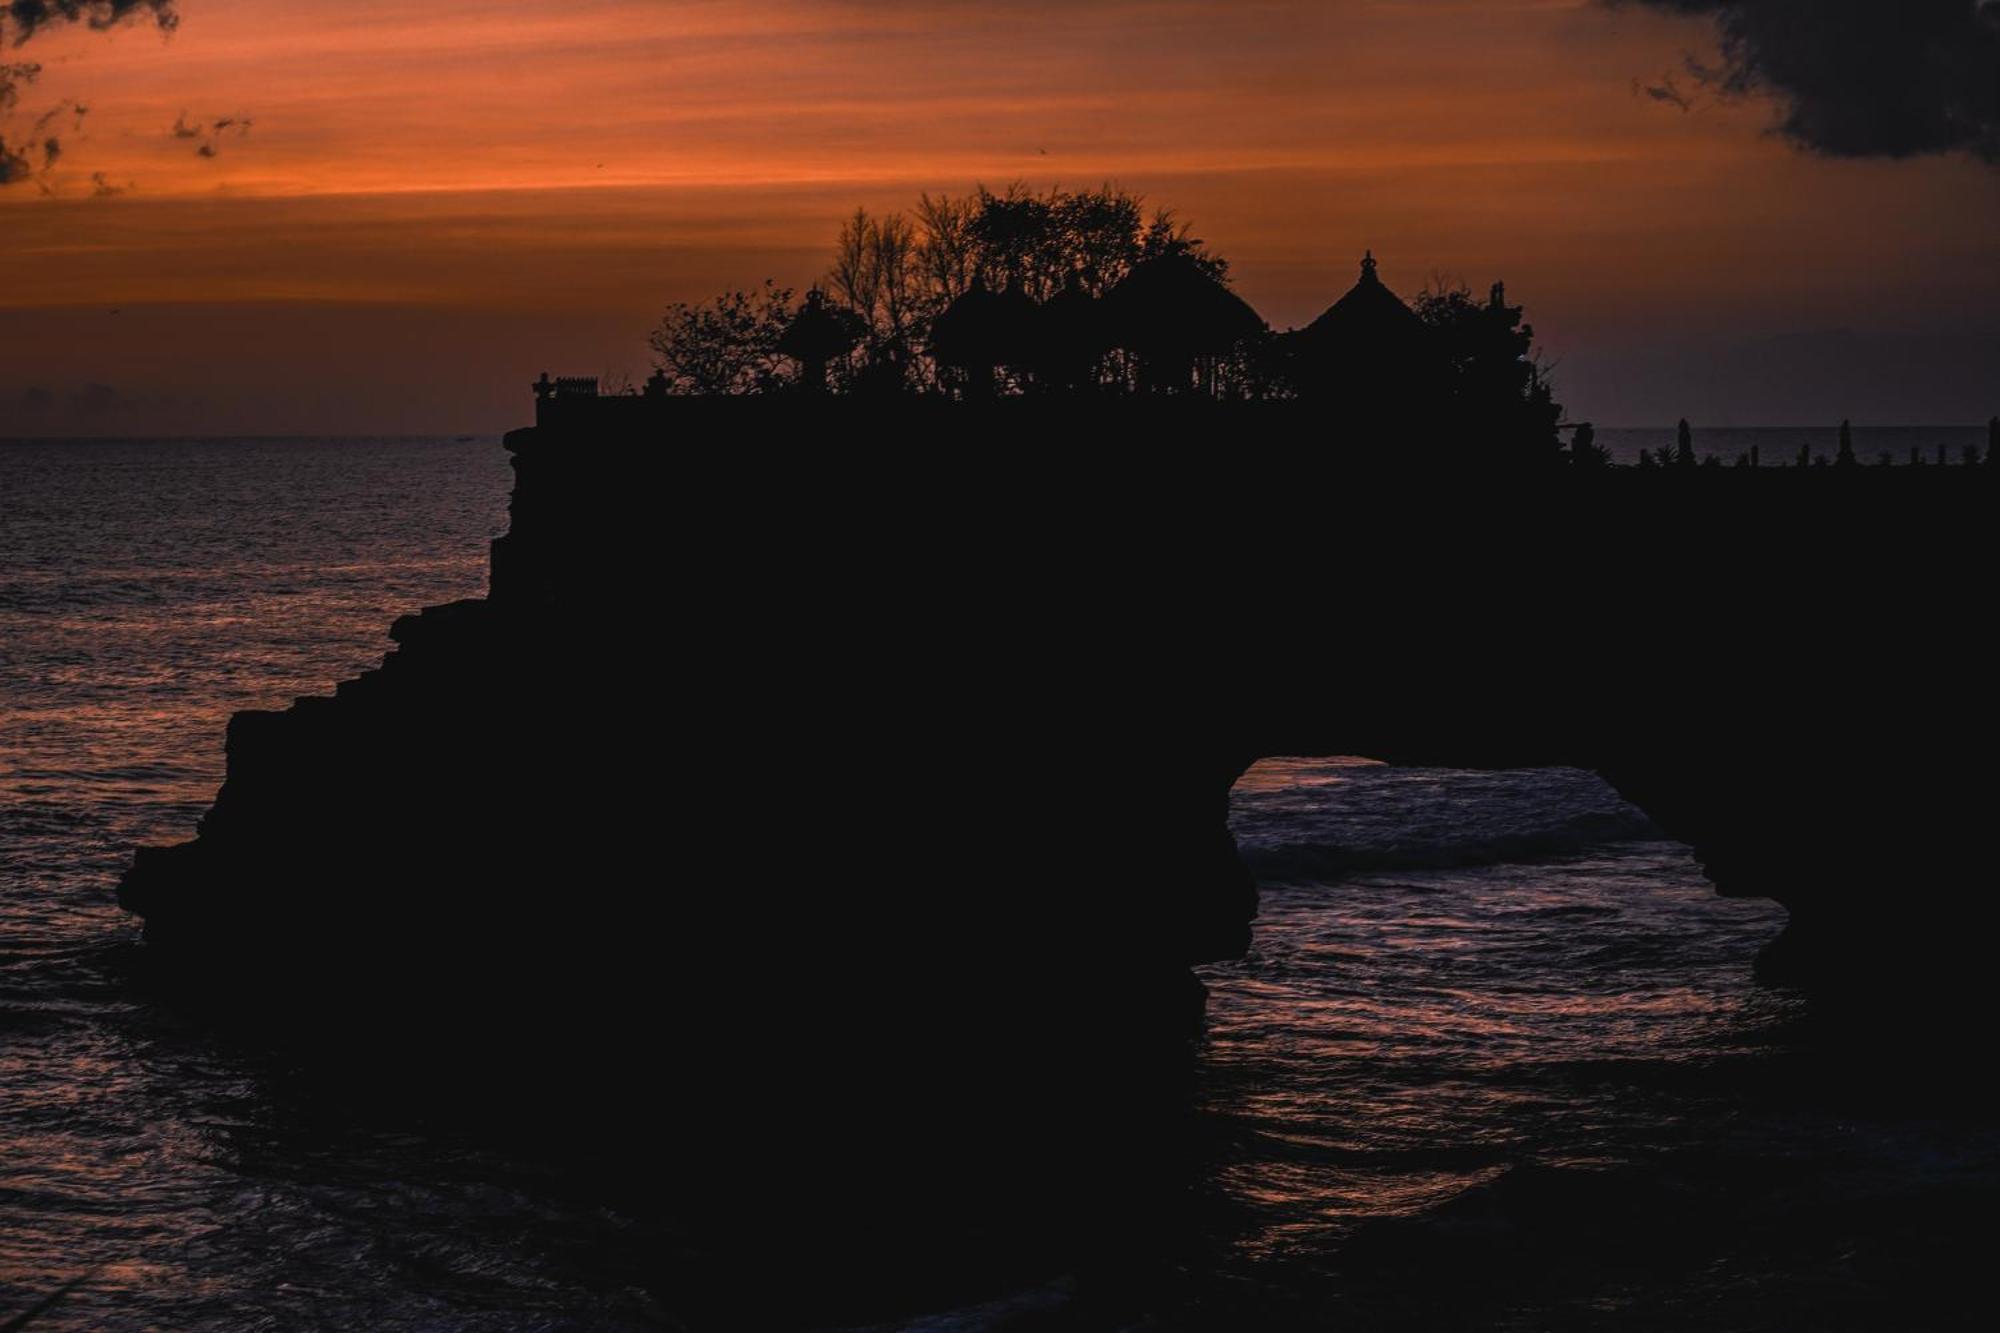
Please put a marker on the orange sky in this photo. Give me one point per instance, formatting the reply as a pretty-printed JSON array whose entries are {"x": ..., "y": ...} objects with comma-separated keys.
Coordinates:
[{"x": 435, "y": 202}]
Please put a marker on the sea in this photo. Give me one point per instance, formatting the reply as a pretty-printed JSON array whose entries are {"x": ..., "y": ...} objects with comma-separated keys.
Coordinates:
[{"x": 1496, "y": 1058}]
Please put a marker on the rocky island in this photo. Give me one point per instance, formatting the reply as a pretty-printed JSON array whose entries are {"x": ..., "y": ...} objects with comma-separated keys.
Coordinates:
[{"x": 750, "y": 835}]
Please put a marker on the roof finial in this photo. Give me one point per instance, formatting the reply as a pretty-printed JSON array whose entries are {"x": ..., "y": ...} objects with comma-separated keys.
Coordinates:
[{"x": 1368, "y": 266}]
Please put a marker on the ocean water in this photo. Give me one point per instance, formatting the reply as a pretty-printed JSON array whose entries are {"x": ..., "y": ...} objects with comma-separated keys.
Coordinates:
[{"x": 1495, "y": 1060}]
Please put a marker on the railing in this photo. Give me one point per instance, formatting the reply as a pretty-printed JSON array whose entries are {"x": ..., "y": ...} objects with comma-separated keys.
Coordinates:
[{"x": 565, "y": 386}]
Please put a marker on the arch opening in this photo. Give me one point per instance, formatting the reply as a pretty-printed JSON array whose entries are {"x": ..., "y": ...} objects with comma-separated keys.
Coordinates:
[{"x": 1460, "y": 975}]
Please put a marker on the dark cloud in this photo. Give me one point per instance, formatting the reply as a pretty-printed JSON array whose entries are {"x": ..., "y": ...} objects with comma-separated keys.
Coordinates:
[
  {"x": 210, "y": 132},
  {"x": 1862, "y": 78},
  {"x": 74, "y": 109},
  {"x": 90, "y": 408},
  {"x": 99, "y": 400},
  {"x": 13, "y": 78},
  {"x": 1665, "y": 91},
  {"x": 22, "y": 19}
]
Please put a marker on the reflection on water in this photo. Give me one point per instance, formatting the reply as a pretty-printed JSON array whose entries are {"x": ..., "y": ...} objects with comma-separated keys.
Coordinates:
[
  {"x": 147, "y": 591},
  {"x": 1497, "y": 1060},
  {"x": 1398, "y": 1037}
]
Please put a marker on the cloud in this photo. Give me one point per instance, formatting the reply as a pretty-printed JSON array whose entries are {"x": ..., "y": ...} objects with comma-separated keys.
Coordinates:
[
  {"x": 74, "y": 109},
  {"x": 1665, "y": 91},
  {"x": 13, "y": 78},
  {"x": 99, "y": 400},
  {"x": 1861, "y": 78},
  {"x": 22, "y": 19},
  {"x": 209, "y": 132}
]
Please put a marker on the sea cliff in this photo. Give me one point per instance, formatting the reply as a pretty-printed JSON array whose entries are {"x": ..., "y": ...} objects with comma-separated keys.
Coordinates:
[{"x": 864, "y": 658}]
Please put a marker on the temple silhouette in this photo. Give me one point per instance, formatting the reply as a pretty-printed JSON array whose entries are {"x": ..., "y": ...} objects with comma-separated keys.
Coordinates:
[
  {"x": 1183, "y": 329},
  {"x": 1454, "y": 384}
]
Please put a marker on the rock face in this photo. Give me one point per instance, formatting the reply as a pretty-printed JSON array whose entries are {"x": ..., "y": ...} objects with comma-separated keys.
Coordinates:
[{"x": 822, "y": 814}]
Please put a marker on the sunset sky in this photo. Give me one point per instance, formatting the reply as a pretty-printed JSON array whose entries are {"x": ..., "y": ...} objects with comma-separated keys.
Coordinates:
[{"x": 432, "y": 203}]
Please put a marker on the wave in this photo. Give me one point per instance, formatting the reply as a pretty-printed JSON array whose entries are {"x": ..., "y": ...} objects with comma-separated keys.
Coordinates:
[{"x": 1316, "y": 859}]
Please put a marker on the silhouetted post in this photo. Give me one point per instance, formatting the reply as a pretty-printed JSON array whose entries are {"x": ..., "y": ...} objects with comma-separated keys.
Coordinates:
[
  {"x": 1756, "y": 459},
  {"x": 1993, "y": 441},
  {"x": 1845, "y": 458},
  {"x": 1940, "y": 453},
  {"x": 816, "y": 336},
  {"x": 1583, "y": 447},
  {"x": 1805, "y": 455},
  {"x": 1916, "y": 459},
  {"x": 1684, "y": 448}
]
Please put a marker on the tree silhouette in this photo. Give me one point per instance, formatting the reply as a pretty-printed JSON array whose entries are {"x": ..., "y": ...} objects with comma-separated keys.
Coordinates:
[
  {"x": 1684, "y": 445},
  {"x": 727, "y": 345},
  {"x": 1845, "y": 458},
  {"x": 878, "y": 275},
  {"x": 1498, "y": 396},
  {"x": 902, "y": 275}
]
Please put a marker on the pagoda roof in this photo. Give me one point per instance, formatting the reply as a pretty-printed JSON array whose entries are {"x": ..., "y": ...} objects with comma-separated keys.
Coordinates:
[
  {"x": 1369, "y": 310},
  {"x": 1173, "y": 305},
  {"x": 982, "y": 327}
]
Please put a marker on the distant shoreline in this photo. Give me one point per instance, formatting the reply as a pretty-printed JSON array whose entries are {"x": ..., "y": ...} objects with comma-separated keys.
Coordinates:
[{"x": 1830, "y": 430}]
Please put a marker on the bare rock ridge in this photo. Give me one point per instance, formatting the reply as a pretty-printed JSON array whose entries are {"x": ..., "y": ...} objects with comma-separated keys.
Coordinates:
[{"x": 830, "y": 797}]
